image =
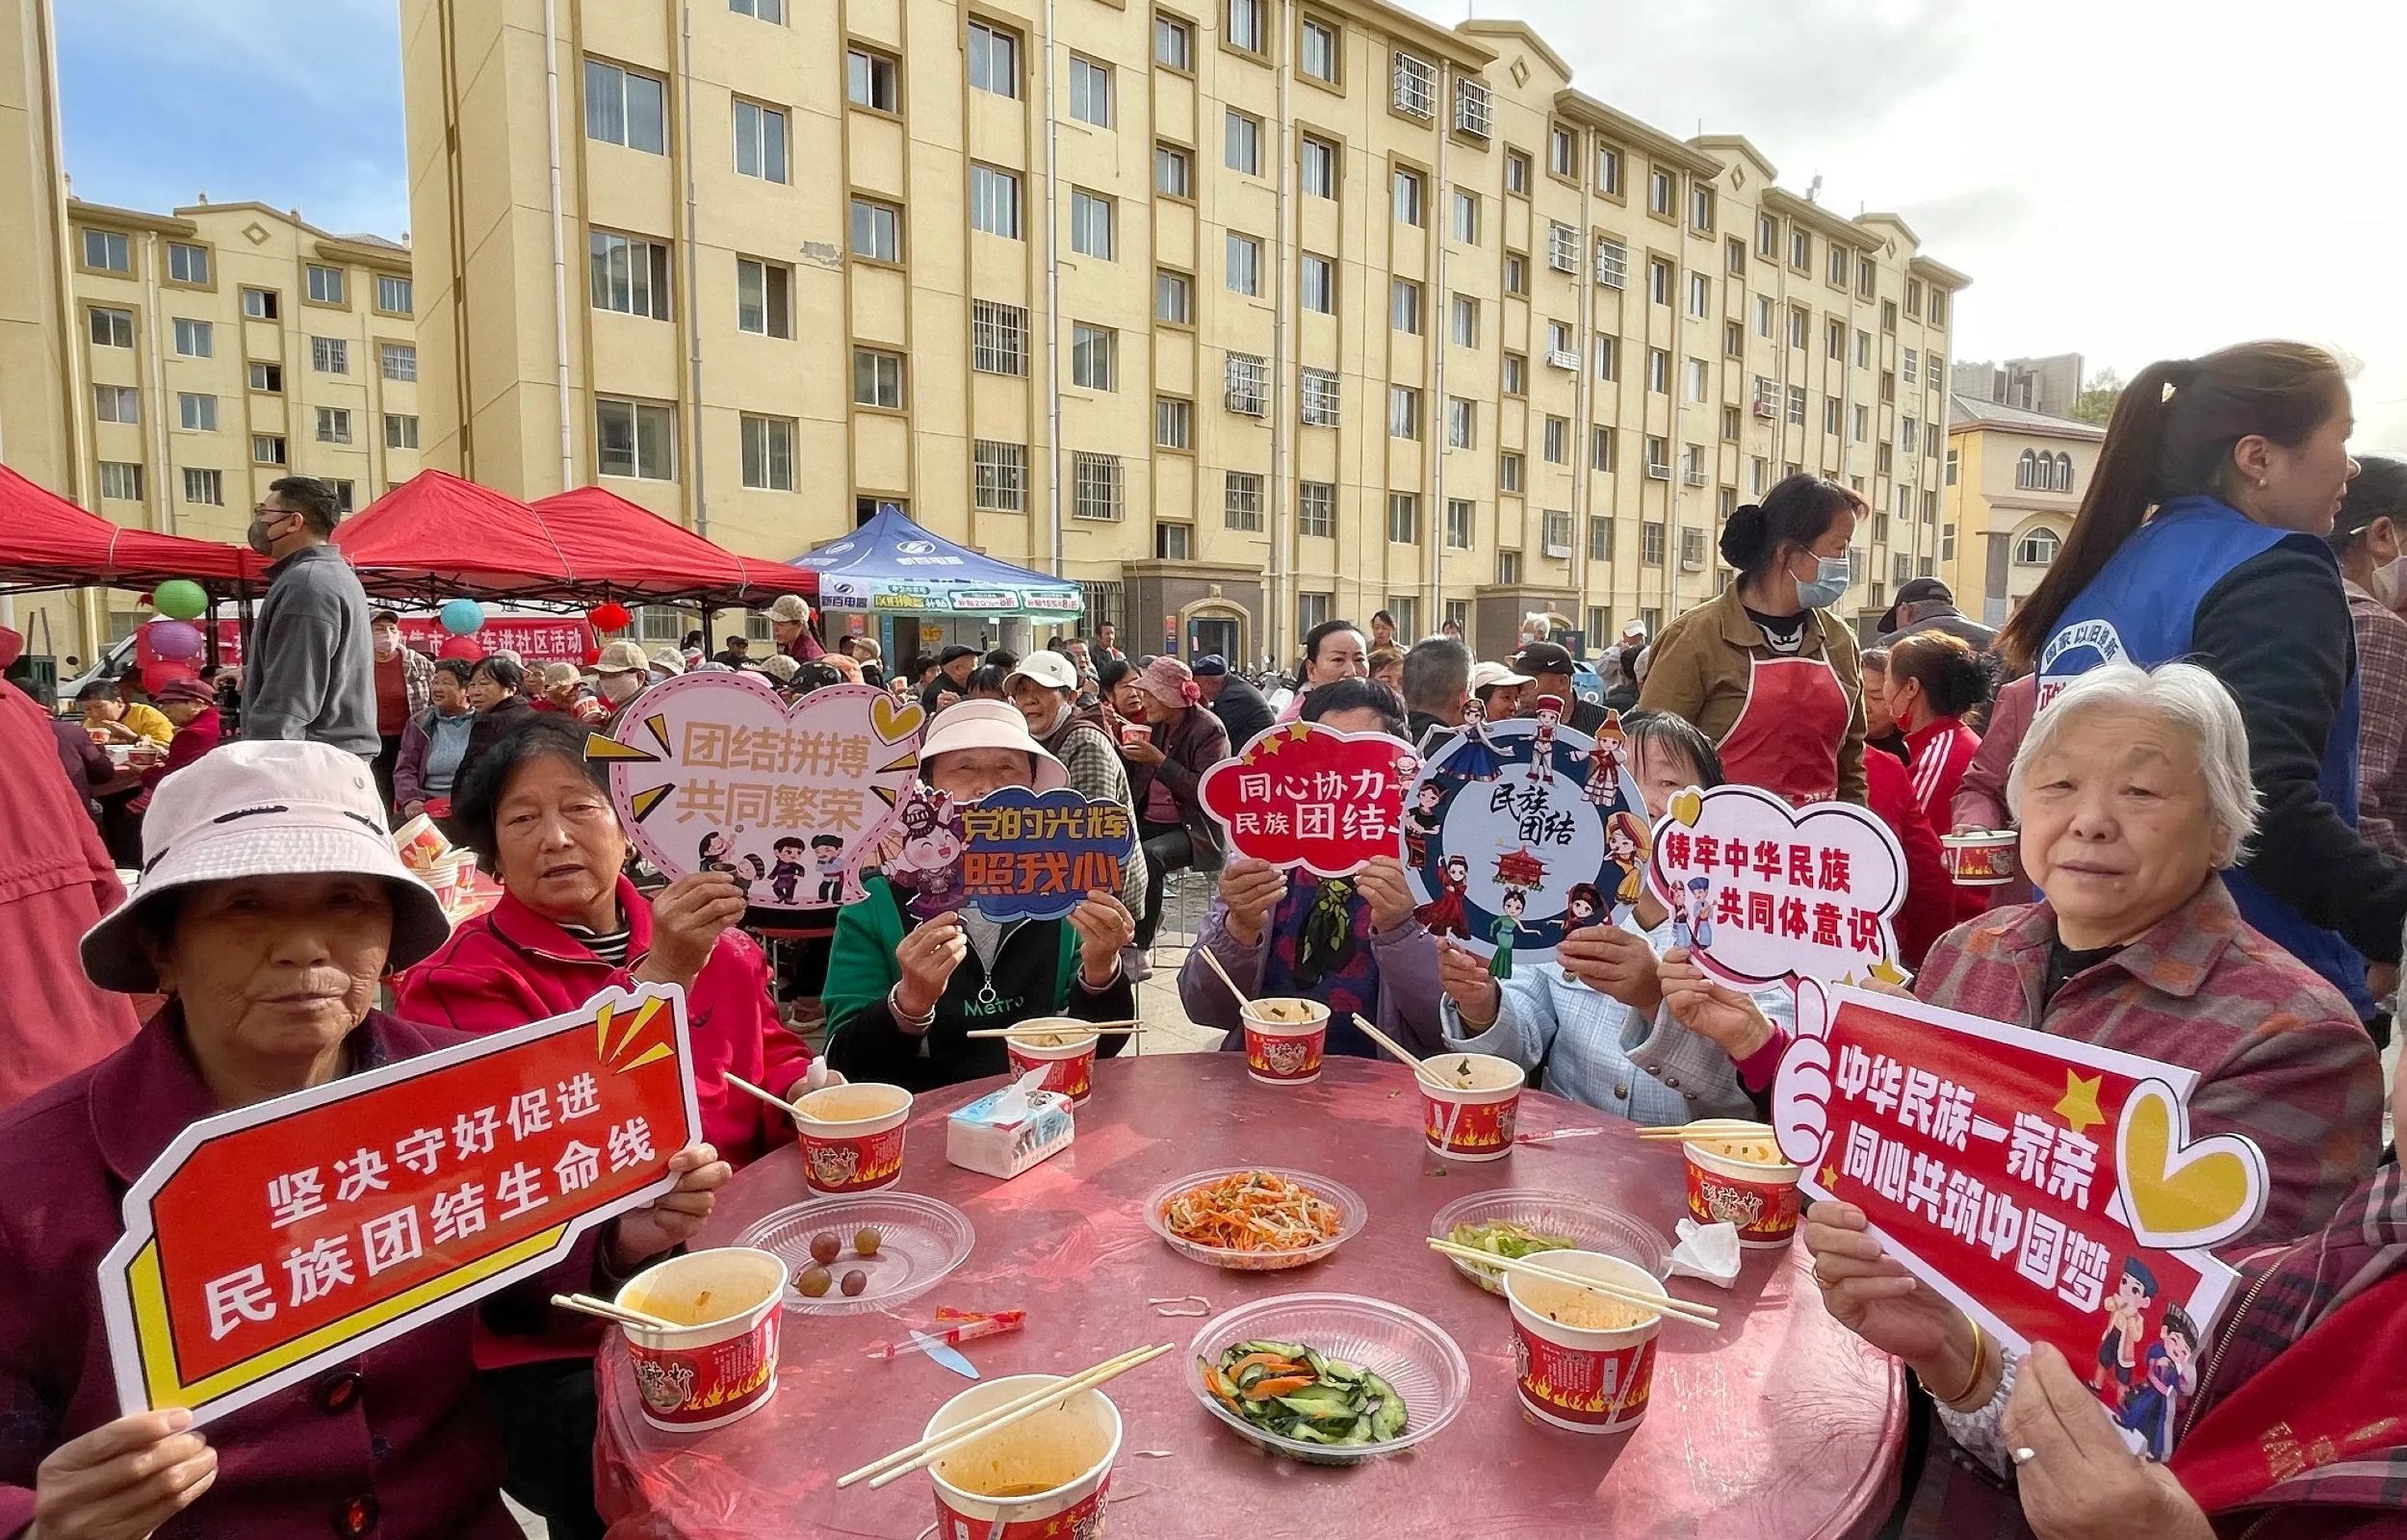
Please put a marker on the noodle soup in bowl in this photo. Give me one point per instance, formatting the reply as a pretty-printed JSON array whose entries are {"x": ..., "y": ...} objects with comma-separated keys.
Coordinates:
[
  {"x": 1063, "y": 1045},
  {"x": 1469, "y": 1103},
  {"x": 721, "y": 1361},
  {"x": 1744, "y": 1181},
  {"x": 1582, "y": 1361},
  {"x": 1284, "y": 1039},
  {"x": 852, "y": 1136},
  {"x": 1045, "y": 1477}
]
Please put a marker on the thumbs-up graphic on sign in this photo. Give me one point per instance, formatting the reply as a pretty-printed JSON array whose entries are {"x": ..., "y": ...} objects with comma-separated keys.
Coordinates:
[{"x": 1800, "y": 1094}]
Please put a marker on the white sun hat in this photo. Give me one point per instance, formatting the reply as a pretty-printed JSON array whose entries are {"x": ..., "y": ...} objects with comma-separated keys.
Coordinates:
[
  {"x": 991, "y": 725},
  {"x": 263, "y": 809}
]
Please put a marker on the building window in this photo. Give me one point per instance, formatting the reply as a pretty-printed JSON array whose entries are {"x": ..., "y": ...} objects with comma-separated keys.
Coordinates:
[
  {"x": 768, "y": 452},
  {"x": 1461, "y": 424},
  {"x": 1241, "y": 148},
  {"x": 1174, "y": 423},
  {"x": 326, "y": 286},
  {"x": 1090, "y": 92},
  {"x": 1320, "y": 51},
  {"x": 1507, "y": 567},
  {"x": 1700, "y": 296},
  {"x": 1174, "y": 43},
  {"x": 1796, "y": 406},
  {"x": 108, "y": 250},
  {"x": 1909, "y": 437},
  {"x": 116, "y": 403},
  {"x": 626, "y": 108},
  {"x": 1173, "y": 171},
  {"x": 1557, "y": 532},
  {"x": 993, "y": 60},
  {"x": 2027, "y": 470},
  {"x": 1658, "y": 372},
  {"x": 1562, "y": 151},
  {"x": 1700, "y": 379},
  {"x": 204, "y": 487},
  {"x": 995, "y": 201},
  {"x": 196, "y": 413},
  {"x": 1661, "y": 190},
  {"x": 1799, "y": 322},
  {"x": 1830, "y": 414},
  {"x": 1517, "y": 375},
  {"x": 1246, "y": 383},
  {"x": 773, "y": 11},
  {"x": 188, "y": 263},
  {"x": 1559, "y": 350},
  {"x": 1859, "y": 423},
  {"x": 1658, "y": 458},
  {"x": 334, "y": 425},
  {"x": 630, "y": 274},
  {"x": 1517, "y": 274},
  {"x": 877, "y": 378},
  {"x": 400, "y": 430},
  {"x": 1404, "y": 518},
  {"x": 1733, "y": 339},
  {"x": 1249, "y": 25},
  {"x": 1241, "y": 501},
  {"x": 635, "y": 439},
  {"x": 1316, "y": 510},
  {"x": 1938, "y": 307},
  {"x": 1558, "y": 441},
  {"x": 1692, "y": 464},
  {"x": 1600, "y": 447},
  {"x": 1693, "y": 550},
  {"x": 1311, "y": 610},
  {"x": 1906, "y": 366},
  {"x": 1410, "y": 189},
  {"x": 1317, "y": 160},
  {"x": 1951, "y": 468},
  {"x": 121, "y": 480},
  {"x": 1459, "y": 517},
  {"x": 764, "y": 297},
  {"x": 1093, "y": 357},
  {"x": 1947, "y": 542},
  {"x": 261, "y": 304},
  {"x": 1174, "y": 542},
  {"x": 267, "y": 448},
  {"x": 1888, "y": 316},
  {"x": 398, "y": 361},
  {"x": 1612, "y": 263},
  {"x": 1838, "y": 265},
  {"x": 1404, "y": 411},
  {"x": 1801, "y": 248},
  {"x": 1095, "y": 486},
  {"x": 1316, "y": 284},
  {"x": 1508, "y": 471},
  {"x": 1516, "y": 172},
  {"x": 1609, "y": 170},
  {"x": 1474, "y": 107},
  {"x": 1318, "y": 397},
  {"x": 1466, "y": 218},
  {"x": 196, "y": 339},
  {"x": 1090, "y": 225},
  {"x": 1608, "y": 357},
  {"x": 873, "y": 79},
  {"x": 1651, "y": 542},
  {"x": 2036, "y": 549},
  {"x": 1415, "y": 86},
  {"x": 1463, "y": 325},
  {"x": 1658, "y": 281},
  {"x": 1562, "y": 248},
  {"x": 1000, "y": 476},
  {"x": 759, "y": 141},
  {"x": 1244, "y": 265},
  {"x": 877, "y": 231},
  {"x": 1700, "y": 209},
  {"x": 1600, "y": 547},
  {"x": 393, "y": 296},
  {"x": 1174, "y": 297},
  {"x": 1404, "y": 305}
]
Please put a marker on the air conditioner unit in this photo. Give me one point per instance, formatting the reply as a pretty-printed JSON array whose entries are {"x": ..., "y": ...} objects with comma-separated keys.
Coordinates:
[
  {"x": 1692, "y": 564},
  {"x": 1564, "y": 358},
  {"x": 1558, "y": 548},
  {"x": 1763, "y": 409},
  {"x": 1695, "y": 479},
  {"x": 1659, "y": 473}
]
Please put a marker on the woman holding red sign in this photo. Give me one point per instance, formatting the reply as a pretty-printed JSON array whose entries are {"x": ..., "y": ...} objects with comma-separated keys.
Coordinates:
[{"x": 272, "y": 907}]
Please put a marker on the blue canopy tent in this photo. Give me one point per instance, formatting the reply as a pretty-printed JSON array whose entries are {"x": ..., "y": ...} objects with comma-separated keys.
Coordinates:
[{"x": 892, "y": 566}]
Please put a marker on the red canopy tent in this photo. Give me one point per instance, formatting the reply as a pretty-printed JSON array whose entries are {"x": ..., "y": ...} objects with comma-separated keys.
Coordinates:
[
  {"x": 47, "y": 542},
  {"x": 436, "y": 536}
]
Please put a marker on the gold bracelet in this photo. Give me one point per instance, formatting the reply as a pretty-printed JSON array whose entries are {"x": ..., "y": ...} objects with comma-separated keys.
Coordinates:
[{"x": 1980, "y": 1357}]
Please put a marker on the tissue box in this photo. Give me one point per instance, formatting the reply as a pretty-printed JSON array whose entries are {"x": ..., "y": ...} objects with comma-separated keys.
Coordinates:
[{"x": 1004, "y": 1134}]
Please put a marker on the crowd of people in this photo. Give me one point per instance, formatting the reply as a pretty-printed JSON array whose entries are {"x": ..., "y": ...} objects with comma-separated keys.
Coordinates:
[{"x": 2195, "y": 726}]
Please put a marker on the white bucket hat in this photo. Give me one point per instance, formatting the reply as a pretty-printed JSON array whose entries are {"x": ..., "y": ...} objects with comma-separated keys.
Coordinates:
[
  {"x": 263, "y": 809},
  {"x": 991, "y": 725},
  {"x": 1051, "y": 670}
]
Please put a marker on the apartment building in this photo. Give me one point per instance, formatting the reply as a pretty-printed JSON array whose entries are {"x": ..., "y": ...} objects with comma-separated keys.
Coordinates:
[
  {"x": 1243, "y": 313},
  {"x": 2051, "y": 385},
  {"x": 2014, "y": 481}
]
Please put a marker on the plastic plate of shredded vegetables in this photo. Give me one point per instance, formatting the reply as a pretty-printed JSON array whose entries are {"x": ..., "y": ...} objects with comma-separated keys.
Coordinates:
[{"x": 1255, "y": 1219}]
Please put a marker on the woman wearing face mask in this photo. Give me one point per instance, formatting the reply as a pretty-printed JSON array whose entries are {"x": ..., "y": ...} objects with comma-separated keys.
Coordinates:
[
  {"x": 2202, "y": 537},
  {"x": 2371, "y": 540},
  {"x": 620, "y": 674},
  {"x": 1762, "y": 669}
]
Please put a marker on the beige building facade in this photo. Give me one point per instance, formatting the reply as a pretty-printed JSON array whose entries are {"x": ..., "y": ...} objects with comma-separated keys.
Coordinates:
[
  {"x": 1243, "y": 313},
  {"x": 2014, "y": 480}
]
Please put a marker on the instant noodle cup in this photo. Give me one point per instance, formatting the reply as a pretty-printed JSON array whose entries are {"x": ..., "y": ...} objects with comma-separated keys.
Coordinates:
[
  {"x": 1582, "y": 1361},
  {"x": 1468, "y": 1103},
  {"x": 1046, "y": 1475},
  {"x": 446, "y": 878},
  {"x": 1743, "y": 1182},
  {"x": 1063, "y": 1045},
  {"x": 1982, "y": 858},
  {"x": 852, "y": 1136},
  {"x": 1285, "y": 1038},
  {"x": 720, "y": 1363}
]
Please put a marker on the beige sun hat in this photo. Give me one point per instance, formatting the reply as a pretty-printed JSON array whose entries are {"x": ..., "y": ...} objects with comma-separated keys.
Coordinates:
[
  {"x": 267, "y": 809},
  {"x": 668, "y": 661},
  {"x": 621, "y": 657},
  {"x": 991, "y": 725},
  {"x": 1488, "y": 676}
]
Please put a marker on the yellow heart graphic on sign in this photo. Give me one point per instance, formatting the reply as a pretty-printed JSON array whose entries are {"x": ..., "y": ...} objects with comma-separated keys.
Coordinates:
[
  {"x": 1688, "y": 806},
  {"x": 2177, "y": 1191},
  {"x": 895, "y": 720}
]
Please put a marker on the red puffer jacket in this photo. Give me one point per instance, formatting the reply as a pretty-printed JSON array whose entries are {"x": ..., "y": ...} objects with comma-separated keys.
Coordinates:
[{"x": 1929, "y": 907}]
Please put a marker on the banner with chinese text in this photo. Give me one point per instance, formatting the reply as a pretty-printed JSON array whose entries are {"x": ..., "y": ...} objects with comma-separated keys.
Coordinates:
[
  {"x": 269, "y": 1241},
  {"x": 1304, "y": 795},
  {"x": 1761, "y": 892},
  {"x": 1014, "y": 853}
]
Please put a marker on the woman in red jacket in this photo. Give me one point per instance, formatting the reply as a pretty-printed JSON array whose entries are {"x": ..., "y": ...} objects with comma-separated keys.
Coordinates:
[
  {"x": 1934, "y": 679},
  {"x": 193, "y": 707}
]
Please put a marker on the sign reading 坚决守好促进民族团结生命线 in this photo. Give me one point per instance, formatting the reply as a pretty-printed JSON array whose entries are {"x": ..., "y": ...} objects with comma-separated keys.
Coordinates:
[
  {"x": 1014, "y": 853},
  {"x": 2049, "y": 1187},
  {"x": 270, "y": 1241},
  {"x": 715, "y": 771}
]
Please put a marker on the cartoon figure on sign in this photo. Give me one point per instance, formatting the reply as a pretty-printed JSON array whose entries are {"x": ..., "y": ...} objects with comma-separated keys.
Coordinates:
[
  {"x": 1476, "y": 759},
  {"x": 1443, "y": 916},
  {"x": 1585, "y": 907},
  {"x": 1701, "y": 903},
  {"x": 2127, "y": 1322},
  {"x": 1625, "y": 847},
  {"x": 713, "y": 857},
  {"x": 1421, "y": 822},
  {"x": 2171, "y": 1373},
  {"x": 788, "y": 873},
  {"x": 827, "y": 854},
  {"x": 664, "y": 1386},
  {"x": 1514, "y": 904},
  {"x": 926, "y": 854},
  {"x": 1683, "y": 931},
  {"x": 1604, "y": 764},
  {"x": 1542, "y": 744}
]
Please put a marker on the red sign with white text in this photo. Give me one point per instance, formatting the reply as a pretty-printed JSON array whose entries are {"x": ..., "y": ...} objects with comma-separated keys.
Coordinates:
[
  {"x": 2050, "y": 1187},
  {"x": 269, "y": 1241},
  {"x": 1304, "y": 795}
]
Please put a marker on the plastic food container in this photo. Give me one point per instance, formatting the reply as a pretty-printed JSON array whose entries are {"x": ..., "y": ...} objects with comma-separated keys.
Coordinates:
[
  {"x": 921, "y": 1240},
  {"x": 1727, "y": 1184},
  {"x": 1983, "y": 857},
  {"x": 1590, "y": 1226},
  {"x": 1047, "y": 1475},
  {"x": 721, "y": 1363},
  {"x": 1285, "y": 1038},
  {"x": 852, "y": 1136},
  {"x": 1470, "y": 1117},
  {"x": 1353, "y": 1213},
  {"x": 1068, "y": 1064},
  {"x": 1580, "y": 1361},
  {"x": 1409, "y": 1350}
]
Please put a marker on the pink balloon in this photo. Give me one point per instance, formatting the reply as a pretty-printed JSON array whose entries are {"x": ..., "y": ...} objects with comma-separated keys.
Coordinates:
[
  {"x": 155, "y": 676},
  {"x": 177, "y": 641},
  {"x": 461, "y": 647}
]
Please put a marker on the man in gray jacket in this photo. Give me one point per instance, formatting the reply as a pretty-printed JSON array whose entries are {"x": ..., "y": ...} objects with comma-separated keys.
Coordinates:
[{"x": 309, "y": 667}]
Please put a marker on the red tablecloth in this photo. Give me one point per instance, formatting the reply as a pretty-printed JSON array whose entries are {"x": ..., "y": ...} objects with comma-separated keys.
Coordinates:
[{"x": 1778, "y": 1425}]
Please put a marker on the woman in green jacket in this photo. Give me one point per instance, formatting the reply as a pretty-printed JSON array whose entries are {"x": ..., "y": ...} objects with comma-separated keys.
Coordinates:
[{"x": 903, "y": 993}]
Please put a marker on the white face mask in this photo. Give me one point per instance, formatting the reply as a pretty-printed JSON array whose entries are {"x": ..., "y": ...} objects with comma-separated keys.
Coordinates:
[
  {"x": 2389, "y": 583},
  {"x": 617, "y": 687},
  {"x": 387, "y": 642}
]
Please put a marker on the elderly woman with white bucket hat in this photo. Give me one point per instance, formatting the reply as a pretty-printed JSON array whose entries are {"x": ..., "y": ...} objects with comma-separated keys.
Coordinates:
[
  {"x": 902, "y": 993},
  {"x": 272, "y": 904}
]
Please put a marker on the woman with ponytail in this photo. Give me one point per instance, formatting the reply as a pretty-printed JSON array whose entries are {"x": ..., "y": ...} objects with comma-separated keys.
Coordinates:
[
  {"x": 2202, "y": 537},
  {"x": 1762, "y": 669}
]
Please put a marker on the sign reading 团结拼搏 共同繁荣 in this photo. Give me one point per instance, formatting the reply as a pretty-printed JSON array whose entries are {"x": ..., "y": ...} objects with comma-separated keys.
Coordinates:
[{"x": 267, "y": 1243}]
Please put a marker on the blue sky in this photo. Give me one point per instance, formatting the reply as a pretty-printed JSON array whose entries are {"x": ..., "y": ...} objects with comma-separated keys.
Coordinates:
[{"x": 291, "y": 103}]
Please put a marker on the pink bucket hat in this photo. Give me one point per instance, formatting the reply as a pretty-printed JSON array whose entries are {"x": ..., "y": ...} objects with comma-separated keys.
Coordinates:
[
  {"x": 991, "y": 725},
  {"x": 1168, "y": 681}
]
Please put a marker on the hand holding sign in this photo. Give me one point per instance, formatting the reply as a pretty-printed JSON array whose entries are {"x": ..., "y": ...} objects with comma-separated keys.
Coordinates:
[
  {"x": 1306, "y": 795},
  {"x": 1760, "y": 891}
]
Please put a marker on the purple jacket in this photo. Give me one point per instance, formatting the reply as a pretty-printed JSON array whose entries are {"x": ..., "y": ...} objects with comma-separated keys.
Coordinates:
[
  {"x": 398, "y": 1438},
  {"x": 1408, "y": 991}
]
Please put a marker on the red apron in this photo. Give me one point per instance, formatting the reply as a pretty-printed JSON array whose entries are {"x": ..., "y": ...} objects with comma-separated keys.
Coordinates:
[{"x": 1789, "y": 734}]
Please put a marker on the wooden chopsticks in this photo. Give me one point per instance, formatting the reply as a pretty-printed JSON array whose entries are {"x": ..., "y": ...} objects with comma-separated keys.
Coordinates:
[
  {"x": 929, "y": 1450},
  {"x": 1695, "y": 1315}
]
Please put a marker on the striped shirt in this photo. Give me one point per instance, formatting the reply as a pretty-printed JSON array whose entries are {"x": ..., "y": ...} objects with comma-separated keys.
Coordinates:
[{"x": 1940, "y": 750}]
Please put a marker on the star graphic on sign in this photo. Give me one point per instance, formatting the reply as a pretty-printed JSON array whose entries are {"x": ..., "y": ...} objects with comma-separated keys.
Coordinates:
[
  {"x": 1830, "y": 1178},
  {"x": 2079, "y": 1107},
  {"x": 1888, "y": 972}
]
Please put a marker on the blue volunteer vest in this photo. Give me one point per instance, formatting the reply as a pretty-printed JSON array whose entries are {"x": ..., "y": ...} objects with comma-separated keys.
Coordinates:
[{"x": 2142, "y": 609}]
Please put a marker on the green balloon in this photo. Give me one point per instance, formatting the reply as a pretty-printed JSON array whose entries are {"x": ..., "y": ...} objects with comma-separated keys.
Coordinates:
[{"x": 179, "y": 599}]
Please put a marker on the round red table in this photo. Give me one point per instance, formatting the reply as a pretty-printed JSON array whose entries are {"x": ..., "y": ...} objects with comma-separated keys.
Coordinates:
[{"x": 1778, "y": 1425}]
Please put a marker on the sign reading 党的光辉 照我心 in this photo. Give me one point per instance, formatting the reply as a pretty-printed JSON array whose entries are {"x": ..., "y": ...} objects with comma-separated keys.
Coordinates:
[
  {"x": 1014, "y": 853},
  {"x": 270, "y": 1241},
  {"x": 716, "y": 772}
]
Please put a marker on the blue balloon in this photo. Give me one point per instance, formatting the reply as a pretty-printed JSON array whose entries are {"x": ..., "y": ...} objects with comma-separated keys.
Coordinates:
[{"x": 463, "y": 617}]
